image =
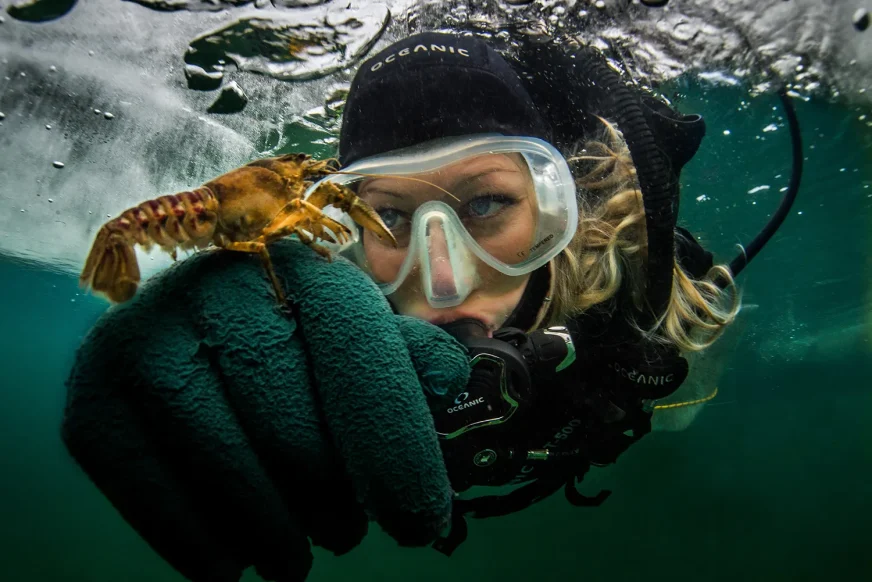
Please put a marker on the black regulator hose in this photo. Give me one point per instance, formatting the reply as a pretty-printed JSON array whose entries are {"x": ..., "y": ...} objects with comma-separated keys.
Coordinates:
[
  {"x": 612, "y": 98},
  {"x": 750, "y": 251}
]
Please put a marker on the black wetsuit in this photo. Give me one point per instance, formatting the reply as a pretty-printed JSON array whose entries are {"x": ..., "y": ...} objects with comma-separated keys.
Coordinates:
[{"x": 585, "y": 415}]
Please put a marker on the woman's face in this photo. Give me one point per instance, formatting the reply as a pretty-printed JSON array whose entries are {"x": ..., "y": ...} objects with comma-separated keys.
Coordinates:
[{"x": 496, "y": 203}]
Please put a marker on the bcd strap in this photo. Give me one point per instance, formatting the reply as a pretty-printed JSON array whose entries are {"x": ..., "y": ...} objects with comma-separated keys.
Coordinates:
[
  {"x": 521, "y": 498},
  {"x": 492, "y": 506},
  {"x": 459, "y": 531},
  {"x": 578, "y": 499}
]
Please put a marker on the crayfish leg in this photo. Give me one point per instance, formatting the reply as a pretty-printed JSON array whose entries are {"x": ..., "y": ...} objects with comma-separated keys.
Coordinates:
[
  {"x": 347, "y": 201},
  {"x": 309, "y": 241},
  {"x": 260, "y": 249},
  {"x": 299, "y": 214}
]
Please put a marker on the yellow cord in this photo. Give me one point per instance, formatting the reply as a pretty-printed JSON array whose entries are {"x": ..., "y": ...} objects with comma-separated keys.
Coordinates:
[{"x": 688, "y": 403}]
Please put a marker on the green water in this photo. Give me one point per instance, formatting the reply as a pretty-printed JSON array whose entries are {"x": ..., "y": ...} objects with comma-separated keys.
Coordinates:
[{"x": 771, "y": 482}]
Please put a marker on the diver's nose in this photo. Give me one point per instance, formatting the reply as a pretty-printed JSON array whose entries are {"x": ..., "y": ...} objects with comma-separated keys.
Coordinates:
[
  {"x": 448, "y": 268},
  {"x": 442, "y": 284}
]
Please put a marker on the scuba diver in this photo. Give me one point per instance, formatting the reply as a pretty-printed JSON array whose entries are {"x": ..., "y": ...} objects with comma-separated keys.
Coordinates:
[{"x": 538, "y": 303}]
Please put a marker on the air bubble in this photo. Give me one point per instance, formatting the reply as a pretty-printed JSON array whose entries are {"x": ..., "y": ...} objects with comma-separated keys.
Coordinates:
[
  {"x": 726, "y": 132},
  {"x": 53, "y": 69},
  {"x": 861, "y": 19},
  {"x": 108, "y": 115},
  {"x": 232, "y": 99},
  {"x": 50, "y": 200},
  {"x": 2, "y": 116},
  {"x": 97, "y": 112},
  {"x": 57, "y": 164},
  {"x": 47, "y": 126}
]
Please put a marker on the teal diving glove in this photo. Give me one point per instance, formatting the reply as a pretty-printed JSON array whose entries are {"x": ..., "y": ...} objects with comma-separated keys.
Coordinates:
[{"x": 230, "y": 434}]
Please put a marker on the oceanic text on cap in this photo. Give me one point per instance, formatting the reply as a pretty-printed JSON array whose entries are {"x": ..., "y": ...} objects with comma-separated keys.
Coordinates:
[{"x": 406, "y": 52}]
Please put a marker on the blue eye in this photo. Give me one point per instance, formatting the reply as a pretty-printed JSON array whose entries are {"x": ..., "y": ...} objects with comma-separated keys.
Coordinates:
[
  {"x": 487, "y": 206},
  {"x": 390, "y": 216}
]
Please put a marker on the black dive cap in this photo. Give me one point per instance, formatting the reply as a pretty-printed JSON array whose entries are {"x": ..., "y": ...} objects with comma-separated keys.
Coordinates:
[{"x": 429, "y": 86}]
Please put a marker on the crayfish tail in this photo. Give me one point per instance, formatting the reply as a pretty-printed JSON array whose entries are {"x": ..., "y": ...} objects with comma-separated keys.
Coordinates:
[
  {"x": 186, "y": 221},
  {"x": 111, "y": 269},
  {"x": 95, "y": 255}
]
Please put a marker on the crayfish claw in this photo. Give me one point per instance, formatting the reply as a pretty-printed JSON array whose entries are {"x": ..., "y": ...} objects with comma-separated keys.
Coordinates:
[{"x": 366, "y": 216}]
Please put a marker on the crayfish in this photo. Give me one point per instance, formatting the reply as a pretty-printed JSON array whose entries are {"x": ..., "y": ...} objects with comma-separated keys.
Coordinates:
[{"x": 243, "y": 210}]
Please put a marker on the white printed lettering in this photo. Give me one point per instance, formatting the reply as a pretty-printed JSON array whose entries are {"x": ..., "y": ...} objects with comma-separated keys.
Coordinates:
[
  {"x": 465, "y": 405},
  {"x": 419, "y": 48},
  {"x": 637, "y": 378}
]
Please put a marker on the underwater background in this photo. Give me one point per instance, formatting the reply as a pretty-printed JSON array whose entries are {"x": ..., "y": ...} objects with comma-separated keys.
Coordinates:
[{"x": 771, "y": 480}]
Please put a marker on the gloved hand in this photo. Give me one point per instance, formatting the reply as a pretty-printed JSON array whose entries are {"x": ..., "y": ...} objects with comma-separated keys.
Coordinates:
[{"x": 226, "y": 432}]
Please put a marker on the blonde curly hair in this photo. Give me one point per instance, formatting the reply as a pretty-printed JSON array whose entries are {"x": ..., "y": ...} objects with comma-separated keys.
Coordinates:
[{"x": 610, "y": 249}]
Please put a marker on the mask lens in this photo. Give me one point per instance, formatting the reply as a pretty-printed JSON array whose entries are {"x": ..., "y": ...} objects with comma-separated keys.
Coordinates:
[{"x": 493, "y": 197}]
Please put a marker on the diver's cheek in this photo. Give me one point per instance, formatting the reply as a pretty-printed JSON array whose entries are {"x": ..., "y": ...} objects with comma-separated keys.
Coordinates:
[
  {"x": 384, "y": 263},
  {"x": 504, "y": 303},
  {"x": 409, "y": 298}
]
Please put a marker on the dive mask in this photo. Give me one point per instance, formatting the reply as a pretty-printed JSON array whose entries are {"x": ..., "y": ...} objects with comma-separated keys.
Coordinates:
[{"x": 459, "y": 207}]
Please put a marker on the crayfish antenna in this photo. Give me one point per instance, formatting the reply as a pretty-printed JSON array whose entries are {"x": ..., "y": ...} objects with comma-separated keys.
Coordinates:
[{"x": 111, "y": 269}]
